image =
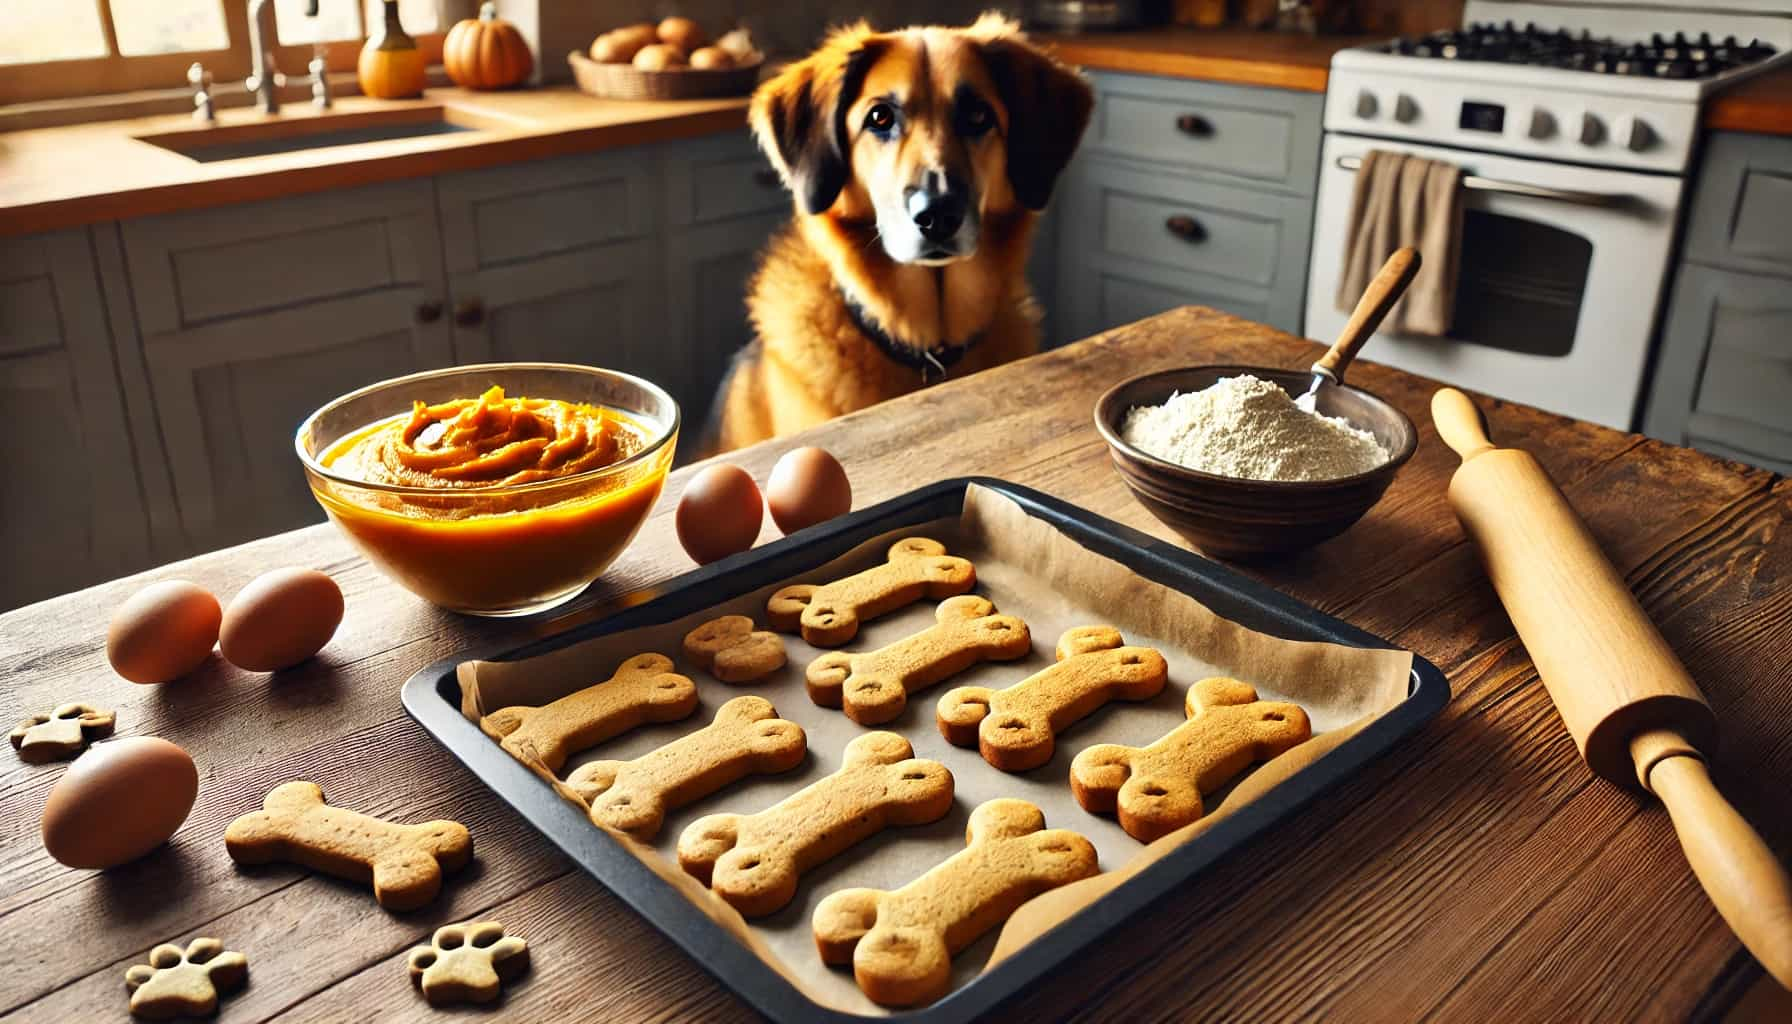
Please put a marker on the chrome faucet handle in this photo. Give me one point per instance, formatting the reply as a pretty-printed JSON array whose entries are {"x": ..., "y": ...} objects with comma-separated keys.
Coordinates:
[
  {"x": 320, "y": 81},
  {"x": 201, "y": 81}
]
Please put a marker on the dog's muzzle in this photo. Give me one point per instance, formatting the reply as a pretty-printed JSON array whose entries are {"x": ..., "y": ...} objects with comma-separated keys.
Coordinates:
[{"x": 939, "y": 210}]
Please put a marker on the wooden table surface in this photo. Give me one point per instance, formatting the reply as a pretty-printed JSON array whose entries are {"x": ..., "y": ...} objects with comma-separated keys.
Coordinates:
[
  {"x": 1479, "y": 872},
  {"x": 1760, "y": 104},
  {"x": 1277, "y": 60}
]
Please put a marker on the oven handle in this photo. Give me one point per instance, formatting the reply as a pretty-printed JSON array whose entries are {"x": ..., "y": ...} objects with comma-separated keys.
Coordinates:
[{"x": 1474, "y": 183}]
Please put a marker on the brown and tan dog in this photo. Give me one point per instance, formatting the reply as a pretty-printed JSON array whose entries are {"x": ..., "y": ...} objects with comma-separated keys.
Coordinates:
[{"x": 919, "y": 161}]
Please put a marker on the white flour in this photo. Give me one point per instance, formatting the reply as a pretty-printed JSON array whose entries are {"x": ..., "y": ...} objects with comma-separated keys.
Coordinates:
[{"x": 1249, "y": 428}]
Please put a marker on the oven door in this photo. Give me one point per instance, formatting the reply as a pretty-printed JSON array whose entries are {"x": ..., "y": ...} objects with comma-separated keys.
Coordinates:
[{"x": 1561, "y": 275}]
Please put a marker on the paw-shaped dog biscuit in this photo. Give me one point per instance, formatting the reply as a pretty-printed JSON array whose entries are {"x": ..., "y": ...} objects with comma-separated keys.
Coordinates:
[
  {"x": 177, "y": 984},
  {"x": 62, "y": 733},
  {"x": 829, "y": 615},
  {"x": 405, "y": 863},
  {"x": 746, "y": 738},
  {"x": 754, "y": 860},
  {"x": 873, "y": 687},
  {"x": 643, "y": 689},
  {"x": 1157, "y": 789},
  {"x": 730, "y": 649},
  {"x": 467, "y": 963},
  {"x": 1016, "y": 728},
  {"x": 901, "y": 943}
]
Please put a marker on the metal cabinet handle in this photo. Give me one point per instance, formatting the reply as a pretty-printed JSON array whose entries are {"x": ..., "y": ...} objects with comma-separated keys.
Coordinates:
[
  {"x": 1194, "y": 124},
  {"x": 1186, "y": 228},
  {"x": 429, "y": 312},
  {"x": 766, "y": 178},
  {"x": 469, "y": 313}
]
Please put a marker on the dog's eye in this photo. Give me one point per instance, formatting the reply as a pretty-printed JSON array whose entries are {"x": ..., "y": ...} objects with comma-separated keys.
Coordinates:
[
  {"x": 880, "y": 118},
  {"x": 975, "y": 118}
]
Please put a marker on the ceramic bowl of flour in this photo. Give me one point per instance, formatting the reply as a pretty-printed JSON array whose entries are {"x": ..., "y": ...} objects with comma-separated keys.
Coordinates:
[{"x": 1238, "y": 518}]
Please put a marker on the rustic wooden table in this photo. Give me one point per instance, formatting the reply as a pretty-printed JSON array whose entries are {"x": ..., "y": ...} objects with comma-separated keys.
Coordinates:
[{"x": 1479, "y": 872}]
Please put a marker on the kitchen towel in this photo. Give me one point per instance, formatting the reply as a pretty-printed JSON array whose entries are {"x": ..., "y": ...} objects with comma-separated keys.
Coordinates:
[{"x": 1405, "y": 200}]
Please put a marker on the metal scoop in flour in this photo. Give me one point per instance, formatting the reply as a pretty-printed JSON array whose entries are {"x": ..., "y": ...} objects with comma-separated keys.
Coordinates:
[{"x": 1380, "y": 297}]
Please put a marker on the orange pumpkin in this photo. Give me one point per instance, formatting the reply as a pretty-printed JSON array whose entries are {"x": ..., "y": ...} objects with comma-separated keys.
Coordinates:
[{"x": 487, "y": 52}]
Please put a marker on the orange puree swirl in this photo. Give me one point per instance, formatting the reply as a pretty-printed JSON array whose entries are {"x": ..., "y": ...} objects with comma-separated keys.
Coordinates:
[{"x": 489, "y": 441}]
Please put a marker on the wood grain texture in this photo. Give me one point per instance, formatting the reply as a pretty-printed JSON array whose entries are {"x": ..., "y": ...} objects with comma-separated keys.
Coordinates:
[
  {"x": 1239, "y": 56},
  {"x": 1762, "y": 104},
  {"x": 1478, "y": 872}
]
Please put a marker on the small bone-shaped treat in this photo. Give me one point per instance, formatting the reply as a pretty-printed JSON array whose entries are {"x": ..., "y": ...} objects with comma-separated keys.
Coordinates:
[
  {"x": 1016, "y": 728},
  {"x": 829, "y": 615},
  {"x": 730, "y": 649},
  {"x": 754, "y": 860},
  {"x": 405, "y": 863},
  {"x": 177, "y": 984},
  {"x": 901, "y": 943},
  {"x": 644, "y": 689},
  {"x": 467, "y": 963},
  {"x": 1157, "y": 789},
  {"x": 873, "y": 687},
  {"x": 62, "y": 733},
  {"x": 747, "y": 738}
]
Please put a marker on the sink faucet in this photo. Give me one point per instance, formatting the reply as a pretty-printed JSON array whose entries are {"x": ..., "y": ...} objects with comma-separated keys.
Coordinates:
[{"x": 264, "y": 35}]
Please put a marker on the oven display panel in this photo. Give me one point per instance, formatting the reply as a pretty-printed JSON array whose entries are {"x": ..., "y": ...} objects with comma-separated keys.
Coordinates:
[{"x": 1483, "y": 117}]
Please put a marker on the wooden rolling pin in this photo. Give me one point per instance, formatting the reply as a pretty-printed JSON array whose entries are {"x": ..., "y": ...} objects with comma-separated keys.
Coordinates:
[{"x": 1626, "y": 699}]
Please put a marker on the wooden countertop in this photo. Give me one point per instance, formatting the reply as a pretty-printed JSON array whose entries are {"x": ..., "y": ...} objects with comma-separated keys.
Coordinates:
[
  {"x": 80, "y": 174},
  {"x": 1237, "y": 55},
  {"x": 1478, "y": 872},
  {"x": 1760, "y": 104}
]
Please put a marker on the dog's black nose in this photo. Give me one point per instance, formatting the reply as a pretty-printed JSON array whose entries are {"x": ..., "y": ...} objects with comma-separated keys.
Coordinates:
[{"x": 938, "y": 214}]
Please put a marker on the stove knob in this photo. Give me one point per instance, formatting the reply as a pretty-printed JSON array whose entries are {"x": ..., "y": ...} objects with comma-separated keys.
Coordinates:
[
  {"x": 1636, "y": 134},
  {"x": 1366, "y": 106},
  {"x": 1406, "y": 109},
  {"x": 1592, "y": 130},
  {"x": 1543, "y": 124}
]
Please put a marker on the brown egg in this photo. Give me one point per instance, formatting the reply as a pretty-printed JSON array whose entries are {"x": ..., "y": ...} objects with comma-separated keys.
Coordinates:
[
  {"x": 807, "y": 486},
  {"x": 683, "y": 33},
  {"x": 164, "y": 631},
  {"x": 280, "y": 619},
  {"x": 659, "y": 57},
  {"x": 719, "y": 514},
  {"x": 712, "y": 58},
  {"x": 120, "y": 800}
]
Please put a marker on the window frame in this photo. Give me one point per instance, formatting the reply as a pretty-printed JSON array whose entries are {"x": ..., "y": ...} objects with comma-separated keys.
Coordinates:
[{"x": 84, "y": 77}]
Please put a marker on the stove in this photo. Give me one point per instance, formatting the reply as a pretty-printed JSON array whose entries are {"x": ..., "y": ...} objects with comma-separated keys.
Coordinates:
[{"x": 1575, "y": 124}]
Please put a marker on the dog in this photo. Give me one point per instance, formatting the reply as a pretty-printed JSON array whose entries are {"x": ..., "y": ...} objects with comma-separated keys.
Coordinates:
[{"x": 918, "y": 162}]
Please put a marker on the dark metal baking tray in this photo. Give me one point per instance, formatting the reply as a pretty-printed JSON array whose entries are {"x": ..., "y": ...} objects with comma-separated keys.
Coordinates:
[{"x": 432, "y": 697}]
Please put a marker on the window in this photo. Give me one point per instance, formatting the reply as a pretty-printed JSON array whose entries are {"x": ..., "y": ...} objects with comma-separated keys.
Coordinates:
[{"x": 57, "y": 49}]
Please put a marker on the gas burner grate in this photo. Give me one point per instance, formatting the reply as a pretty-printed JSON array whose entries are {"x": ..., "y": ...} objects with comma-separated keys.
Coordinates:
[{"x": 1661, "y": 57}]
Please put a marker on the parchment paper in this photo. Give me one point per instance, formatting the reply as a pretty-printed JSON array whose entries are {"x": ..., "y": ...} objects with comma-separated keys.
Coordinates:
[{"x": 1029, "y": 569}]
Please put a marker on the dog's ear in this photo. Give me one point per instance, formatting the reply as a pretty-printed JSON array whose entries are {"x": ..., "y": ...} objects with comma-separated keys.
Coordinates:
[
  {"x": 799, "y": 116},
  {"x": 1048, "y": 107}
]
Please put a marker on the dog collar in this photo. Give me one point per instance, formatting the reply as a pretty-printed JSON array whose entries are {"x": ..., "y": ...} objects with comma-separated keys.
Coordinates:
[{"x": 932, "y": 362}]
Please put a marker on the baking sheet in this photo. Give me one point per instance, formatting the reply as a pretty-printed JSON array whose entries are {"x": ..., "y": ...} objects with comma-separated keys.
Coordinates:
[{"x": 1029, "y": 569}]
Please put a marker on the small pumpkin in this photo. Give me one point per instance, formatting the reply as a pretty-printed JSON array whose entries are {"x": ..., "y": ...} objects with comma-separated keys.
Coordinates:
[
  {"x": 391, "y": 66},
  {"x": 486, "y": 52}
]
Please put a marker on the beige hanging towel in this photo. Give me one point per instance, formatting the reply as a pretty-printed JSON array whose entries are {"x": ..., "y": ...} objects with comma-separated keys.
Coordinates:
[{"x": 1406, "y": 200}]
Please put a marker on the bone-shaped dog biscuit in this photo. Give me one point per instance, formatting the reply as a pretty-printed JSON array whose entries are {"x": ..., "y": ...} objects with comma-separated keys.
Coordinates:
[
  {"x": 1016, "y": 728},
  {"x": 730, "y": 649},
  {"x": 1157, "y": 789},
  {"x": 643, "y": 689},
  {"x": 873, "y": 687},
  {"x": 754, "y": 860},
  {"x": 746, "y": 738},
  {"x": 901, "y": 943},
  {"x": 829, "y": 615},
  {"x": 64, "y": 732},
  {"x": 405, "y": 863}
]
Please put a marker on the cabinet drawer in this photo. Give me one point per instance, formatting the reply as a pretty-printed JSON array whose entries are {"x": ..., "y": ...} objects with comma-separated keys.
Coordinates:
[
  {"x": 1266, "y": 136},
  {"x": 1742, "y": 214},
  {"x": 1125, "y": 299},
  {"x": 517, "y": 212},
  {"x": 719, "y": 178}
]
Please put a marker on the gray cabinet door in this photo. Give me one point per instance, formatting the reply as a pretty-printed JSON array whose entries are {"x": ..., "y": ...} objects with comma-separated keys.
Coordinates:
[
  {"x": 1742, "y": 205},
  {"x": 1725, "y": 372},
  {"x": 253, "y": 315},
  {"x": 79, "y": 518},
  {"x": 708, "y": 269}
]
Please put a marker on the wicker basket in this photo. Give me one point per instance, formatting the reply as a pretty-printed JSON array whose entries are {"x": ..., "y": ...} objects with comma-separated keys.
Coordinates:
[{"x": 627, "y": 82}]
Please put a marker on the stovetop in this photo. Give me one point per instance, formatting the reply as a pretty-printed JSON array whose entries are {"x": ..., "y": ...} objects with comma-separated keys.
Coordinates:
[{"x": 1676, "y": 57}]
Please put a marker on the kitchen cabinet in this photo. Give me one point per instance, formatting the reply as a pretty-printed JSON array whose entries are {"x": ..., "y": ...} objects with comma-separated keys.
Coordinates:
[
  {"x": 251, "y": 316},
  {"x": 72, "y": 507},
  {"x": 1724, "y": 368},
  {"x": 1188, "y": 192}
]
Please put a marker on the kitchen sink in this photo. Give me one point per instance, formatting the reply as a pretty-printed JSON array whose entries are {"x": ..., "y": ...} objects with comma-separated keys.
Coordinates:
[{"x": 300, "y": 131}]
